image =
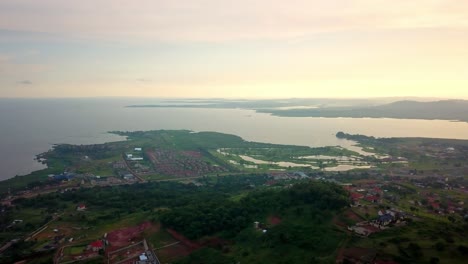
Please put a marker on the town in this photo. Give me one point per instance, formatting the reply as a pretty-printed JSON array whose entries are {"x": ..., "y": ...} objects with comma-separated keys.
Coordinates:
[{"x": 412, "y": 186}]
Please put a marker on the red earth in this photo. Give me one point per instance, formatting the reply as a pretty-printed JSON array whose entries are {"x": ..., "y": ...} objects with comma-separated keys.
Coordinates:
[
  {"x": 349, "y": 214},
  {"x": 189, "y": 243},
  {"x": 169, "y": 254},
  {"x": 274, "y": 220},
  {"x": 176, "y": 251},
  {"x": 123, "y": 237}
]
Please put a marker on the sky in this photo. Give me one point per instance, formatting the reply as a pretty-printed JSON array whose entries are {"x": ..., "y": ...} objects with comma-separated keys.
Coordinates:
[{"x": 234, "y": 49}]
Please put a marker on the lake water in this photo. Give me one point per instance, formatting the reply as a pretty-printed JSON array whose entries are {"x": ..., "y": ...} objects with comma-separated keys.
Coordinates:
[{"x": 29, "y": 127}]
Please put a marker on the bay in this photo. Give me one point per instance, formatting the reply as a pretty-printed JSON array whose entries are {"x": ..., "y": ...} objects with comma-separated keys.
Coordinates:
[{"x": 32, "y": 126}]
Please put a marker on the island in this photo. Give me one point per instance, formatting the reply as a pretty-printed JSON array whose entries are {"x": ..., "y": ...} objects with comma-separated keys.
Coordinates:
[{"x": 453, "y": 110}]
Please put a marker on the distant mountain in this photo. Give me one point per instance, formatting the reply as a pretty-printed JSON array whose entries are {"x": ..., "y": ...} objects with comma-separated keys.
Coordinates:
[{"x": 444, "y": 109}]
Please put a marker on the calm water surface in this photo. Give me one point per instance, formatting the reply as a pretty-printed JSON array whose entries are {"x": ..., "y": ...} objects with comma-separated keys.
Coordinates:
[{"x": 30, "y": 127}]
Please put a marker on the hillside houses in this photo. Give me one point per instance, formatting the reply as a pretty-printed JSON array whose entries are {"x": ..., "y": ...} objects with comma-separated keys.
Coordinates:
[
  {"x": 370, "y": 192},
  {"x": 384, "y": 219}
]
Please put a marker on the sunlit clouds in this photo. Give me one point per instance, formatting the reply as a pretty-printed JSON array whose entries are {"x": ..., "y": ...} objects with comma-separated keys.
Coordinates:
[{"x": 254, "y": 48}]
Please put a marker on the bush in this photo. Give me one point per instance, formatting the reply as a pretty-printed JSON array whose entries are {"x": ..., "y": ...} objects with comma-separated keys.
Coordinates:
[
  {"x": 463, "y": 249},
  {"x": 440, "y": 246}
]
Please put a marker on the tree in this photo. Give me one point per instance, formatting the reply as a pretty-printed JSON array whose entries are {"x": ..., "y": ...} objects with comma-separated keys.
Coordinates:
[
  {"x": 439, "y": 246},
  {"x": 451, "y": 219},
  {"x": 415, "y": 250}
]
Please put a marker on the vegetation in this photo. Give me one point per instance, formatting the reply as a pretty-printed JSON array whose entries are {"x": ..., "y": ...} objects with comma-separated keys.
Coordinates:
[
  {"x": 196, "y": 212},
  {"x": 244, "y": 215},
  {"x": 444, "y": 109}
]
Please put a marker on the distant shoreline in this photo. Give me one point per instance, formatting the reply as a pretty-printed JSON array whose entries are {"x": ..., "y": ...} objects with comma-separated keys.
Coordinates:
[{"x": 450, "y": 110}]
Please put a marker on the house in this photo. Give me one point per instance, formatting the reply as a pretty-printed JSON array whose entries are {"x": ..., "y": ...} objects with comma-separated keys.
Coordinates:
[
  {"x": 356, "y": 196},
  {"x": 385, "y": 219},
  {"x": 360, "y": 230},
  {"x": 96, "y": 245},
  {"x": 301, "y": 174},
  {"x": 372, "y": 198},
  {"x": 62, "y": 176},
  {"x": 143, "y": 257},
  {"x": 129, "y": 177},
  {"x": 137, "y": 149},
  {"x": 132, "y": 157},
  {"x": 119, "y": 165},
  {"x": 435, "y": 205},
  {"x": 81, "y": 207}
]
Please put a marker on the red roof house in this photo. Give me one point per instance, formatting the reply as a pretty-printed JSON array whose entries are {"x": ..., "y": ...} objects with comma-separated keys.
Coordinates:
[
  {"x": 96, "y": 245},
  {"x": 356, "y": 196}
]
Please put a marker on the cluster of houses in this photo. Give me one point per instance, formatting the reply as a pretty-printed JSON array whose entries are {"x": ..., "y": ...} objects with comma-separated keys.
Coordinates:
[
  {"x": 146, "y": 257},
  {"x": 126, "y": 175},
  {"x": 135, "y": 155},
  {"x": 284, "y": 175},
  {"x": 384, "y": 220},
  {"x": 132, "y": 157},
  {"x": 134, "y": 163},
  {"x": 370, "y": 192},
  {"x": 440, "y": 205},
  {"x": 62, "y": 176},
  {"x": 182, "y": 163}
]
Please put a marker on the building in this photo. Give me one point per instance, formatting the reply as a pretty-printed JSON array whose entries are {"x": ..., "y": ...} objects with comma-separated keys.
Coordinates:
[
  {"x": 385, "y": 219},
  {"x": 96, "y": 245},
  {"x": 301, "y": 174},
  {"x": 81, "y": 207},
  {"x": 143, "y": 257},
  {"x": 131, "y": 157},
  {"x": 119, "y": 165},
  {"x": 62, "y": 176},
  {"x": 129, "y": 177}
]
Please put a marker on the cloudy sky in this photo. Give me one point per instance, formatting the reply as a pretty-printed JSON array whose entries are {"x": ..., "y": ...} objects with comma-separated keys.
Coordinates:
[{"x": 242, "y": 48}]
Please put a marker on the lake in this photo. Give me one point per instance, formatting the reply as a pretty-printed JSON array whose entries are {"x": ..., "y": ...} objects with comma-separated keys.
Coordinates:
[{"x": 31, "y": 126}]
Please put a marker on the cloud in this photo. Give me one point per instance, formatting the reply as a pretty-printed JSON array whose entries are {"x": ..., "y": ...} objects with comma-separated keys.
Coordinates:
[
  {"x": 143, "y": 80},
  {"x": 24, "y": 82},
  {"x": 225, "y": 20}
]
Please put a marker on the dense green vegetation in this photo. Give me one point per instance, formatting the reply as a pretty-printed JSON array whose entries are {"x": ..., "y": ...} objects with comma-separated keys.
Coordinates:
[
  {"x": 208, "y": 215},
  {"x": 299, "y": 220},
  {"x": 305, "y": 210}
]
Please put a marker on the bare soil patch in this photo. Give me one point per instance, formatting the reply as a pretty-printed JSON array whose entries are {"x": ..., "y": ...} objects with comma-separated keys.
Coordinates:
[
  {"x": 274, "y": 220},
  {"x": 125, "y": 236}
]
